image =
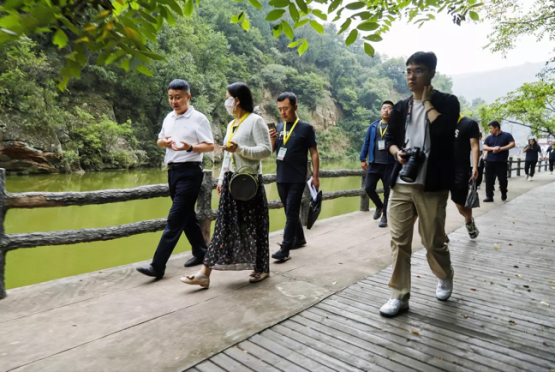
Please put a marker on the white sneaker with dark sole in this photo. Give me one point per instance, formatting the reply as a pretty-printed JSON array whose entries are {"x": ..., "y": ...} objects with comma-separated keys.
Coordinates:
[
  {"x": 393, "y": 307},
  {"x": 444, "y": 289}
]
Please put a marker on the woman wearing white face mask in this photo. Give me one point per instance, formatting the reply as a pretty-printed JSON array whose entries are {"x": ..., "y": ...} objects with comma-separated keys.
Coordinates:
[{"x": 240, "y": 240}]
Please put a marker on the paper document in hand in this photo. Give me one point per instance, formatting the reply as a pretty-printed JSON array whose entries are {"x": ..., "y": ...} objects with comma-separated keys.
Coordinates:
[{"x": 313, "y": 191}]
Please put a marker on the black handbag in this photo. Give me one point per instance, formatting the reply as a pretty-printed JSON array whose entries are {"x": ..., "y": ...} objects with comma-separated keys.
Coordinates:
[
  {"x": 472, "y": 199},
  {"x": 243, "y": 185}
]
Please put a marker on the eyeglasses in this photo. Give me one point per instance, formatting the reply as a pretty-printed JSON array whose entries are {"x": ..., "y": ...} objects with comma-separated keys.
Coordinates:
[{"x": 416, "y": 72}]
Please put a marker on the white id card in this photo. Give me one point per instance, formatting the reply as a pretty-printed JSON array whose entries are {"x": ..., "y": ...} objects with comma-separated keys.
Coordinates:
[
  {"x": 281, "y": 153},
  {"x": 381, "y": 145}
]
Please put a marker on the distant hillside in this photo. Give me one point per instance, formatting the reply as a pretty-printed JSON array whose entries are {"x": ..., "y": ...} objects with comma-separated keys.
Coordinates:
[{"x": 491, "y": 85}]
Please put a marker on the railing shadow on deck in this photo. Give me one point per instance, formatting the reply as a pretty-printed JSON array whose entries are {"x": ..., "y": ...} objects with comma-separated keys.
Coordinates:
[{"x": 205, "y": 213}]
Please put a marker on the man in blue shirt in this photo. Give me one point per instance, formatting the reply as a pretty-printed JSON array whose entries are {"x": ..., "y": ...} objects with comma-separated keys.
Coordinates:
[
  {"x": 498, "y": 144},
  {"x": 379, "y": 162}
]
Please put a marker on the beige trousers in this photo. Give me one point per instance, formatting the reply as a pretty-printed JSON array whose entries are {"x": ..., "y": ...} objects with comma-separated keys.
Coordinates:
[{"x": 407, "y": 202}]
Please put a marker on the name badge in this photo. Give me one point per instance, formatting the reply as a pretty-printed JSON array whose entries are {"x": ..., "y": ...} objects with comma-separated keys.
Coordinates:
[
  {"x": 381, "y": 145},
  {"x": 281, "y": 153}
]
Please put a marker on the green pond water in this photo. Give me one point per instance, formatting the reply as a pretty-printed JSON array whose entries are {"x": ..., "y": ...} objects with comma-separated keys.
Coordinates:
[{"x": 35, "y": 265}]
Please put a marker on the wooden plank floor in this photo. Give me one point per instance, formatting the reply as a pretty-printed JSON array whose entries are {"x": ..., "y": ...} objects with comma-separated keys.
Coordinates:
[{"x": 501, "y": 316}]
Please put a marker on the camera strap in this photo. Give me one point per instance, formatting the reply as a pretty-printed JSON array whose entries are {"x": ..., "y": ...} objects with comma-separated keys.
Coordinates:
[{"x": 407, "y": 122}]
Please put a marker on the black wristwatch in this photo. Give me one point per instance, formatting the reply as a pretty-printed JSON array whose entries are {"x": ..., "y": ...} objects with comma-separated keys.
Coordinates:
[{"x": 190, "y": 149}]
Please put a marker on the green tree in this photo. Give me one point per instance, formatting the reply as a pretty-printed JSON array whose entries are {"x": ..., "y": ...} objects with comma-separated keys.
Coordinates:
[{"x": 118, "y": 31}]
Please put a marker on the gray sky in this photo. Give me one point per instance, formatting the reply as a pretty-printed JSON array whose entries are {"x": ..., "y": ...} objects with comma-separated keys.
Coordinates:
[{"x": 459, "y": 48}]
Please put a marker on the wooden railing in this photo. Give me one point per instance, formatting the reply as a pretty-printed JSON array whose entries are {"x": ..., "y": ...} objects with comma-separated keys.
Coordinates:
[
  {"x": 205, "y": 213},
  {"x": 520, "y": 166}
]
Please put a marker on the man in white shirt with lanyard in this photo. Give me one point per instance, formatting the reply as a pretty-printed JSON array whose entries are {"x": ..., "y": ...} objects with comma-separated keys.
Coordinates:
[
  {"x": 185, "y": 136},
  {"x": 292, "y": 141}
]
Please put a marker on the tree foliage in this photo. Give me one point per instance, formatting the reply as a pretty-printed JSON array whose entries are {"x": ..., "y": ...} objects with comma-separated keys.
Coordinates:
[
  {"x": 515, "y": 18},
  {"x": 532, "y": 105},
  {"x": 118, "y": 32}
]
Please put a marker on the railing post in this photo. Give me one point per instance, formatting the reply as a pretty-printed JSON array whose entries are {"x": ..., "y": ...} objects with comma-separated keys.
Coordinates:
[
  {"x": 364, "y": 199},
  {"x": 510, "y": 167},
  {"x": 204, "y": 204},
  {"x": 3, "y": 252},
  {"x": 518, "y": 167}
]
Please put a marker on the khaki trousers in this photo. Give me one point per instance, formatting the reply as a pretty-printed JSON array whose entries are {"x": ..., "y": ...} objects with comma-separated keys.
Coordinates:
[{"x": 405, "y": 204}]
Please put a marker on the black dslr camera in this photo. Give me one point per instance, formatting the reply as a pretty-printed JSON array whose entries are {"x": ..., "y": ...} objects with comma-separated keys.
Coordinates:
[{"x": 415, "y": 157}]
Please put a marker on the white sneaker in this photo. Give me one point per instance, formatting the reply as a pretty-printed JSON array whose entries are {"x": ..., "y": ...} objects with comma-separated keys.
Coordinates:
[
  {"x": 531, "y": 178},
  {"x": 473, "y": 231},
  {"x": 444, "y": 289},
  {"x": 550, "y": 172},
  {"x": 526, "y": 177},
  {"x": 394, "y": 307}
]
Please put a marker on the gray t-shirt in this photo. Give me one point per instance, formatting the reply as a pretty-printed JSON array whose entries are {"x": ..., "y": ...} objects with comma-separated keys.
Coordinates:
[{"x": 415, "y": 134}]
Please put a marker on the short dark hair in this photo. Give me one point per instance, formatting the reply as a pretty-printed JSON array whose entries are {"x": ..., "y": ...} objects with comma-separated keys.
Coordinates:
[
  {"x": 288, "y": 95},
  {"x": 427, "y": 59},
  {"x": 494, "y": 124},
  {"x": 243, "y": 92},
  {"x": 179, "y": 84},
  {"x": 387, "y": 103}
]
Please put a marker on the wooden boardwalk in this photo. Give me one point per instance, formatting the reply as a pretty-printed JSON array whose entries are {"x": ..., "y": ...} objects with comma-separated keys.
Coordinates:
[{"x": 501, "y": 316}]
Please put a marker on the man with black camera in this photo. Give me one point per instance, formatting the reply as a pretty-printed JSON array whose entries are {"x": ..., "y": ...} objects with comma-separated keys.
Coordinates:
[
  {"x": 498, "y": 143},
  {"x": 292, "y": 141},
  {"x": 421, "y": 138}
]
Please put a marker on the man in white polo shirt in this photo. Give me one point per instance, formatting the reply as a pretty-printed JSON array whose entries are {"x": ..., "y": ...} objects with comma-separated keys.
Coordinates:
[{"x": 185, "y": 136}]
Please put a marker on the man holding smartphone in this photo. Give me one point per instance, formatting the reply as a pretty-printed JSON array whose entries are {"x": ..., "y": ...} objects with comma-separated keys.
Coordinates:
[{"x": 292, "y": 140}]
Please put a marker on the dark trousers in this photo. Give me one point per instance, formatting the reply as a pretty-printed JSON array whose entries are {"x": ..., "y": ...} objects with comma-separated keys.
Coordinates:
[
  {"x": 372, "y": 178},
  {"x": 291, "y": 195},
  {"x": 496, "y": 169},
  {"x": 184, "y": 182},
  {"x": 530, "y": 167},
  {"x": 481, "y": 165},
  {"x": 551, "y": 165}
]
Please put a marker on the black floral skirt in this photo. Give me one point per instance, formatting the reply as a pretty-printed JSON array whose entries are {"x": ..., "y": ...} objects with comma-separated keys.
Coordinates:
[{"x": 240, "y": 240}]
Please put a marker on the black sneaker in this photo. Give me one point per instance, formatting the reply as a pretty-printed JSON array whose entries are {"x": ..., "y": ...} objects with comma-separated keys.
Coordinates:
[
  {"x": 383, "y": 222},
  {"x": 504, "y": 196},
  {"x": 281, "y": 255},
  {"x": 378, "y": 213},
  {"x": 299, "y": 243},
  {"x": 488, "y": 200}
]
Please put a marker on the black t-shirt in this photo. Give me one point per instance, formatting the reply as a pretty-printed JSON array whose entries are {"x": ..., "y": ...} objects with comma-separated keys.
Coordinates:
[
  {"x": 532, "y": 152},
  {"x": 501, "y": 140},
  {"x": 293, "y": 167},
  {"x": 380, "y": 156},
  {"x": 466, "y": 129},
  {"x": 551, "y": 152}
]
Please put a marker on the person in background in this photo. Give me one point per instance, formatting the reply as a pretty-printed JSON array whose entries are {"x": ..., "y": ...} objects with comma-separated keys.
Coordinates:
[
  {"x": 532, "y": 151},
  {"x": 380, "y": 162},
  {"x": 185, "y": 136},
  {"x": 550, "y": 155},
  {"x": 240, "y": 240},
  {"x": 481, "y": 162},
  {"x": 498, "y": 143},
  {"x": 292, "y": 140},
  {"x": 467, "y": 137}
]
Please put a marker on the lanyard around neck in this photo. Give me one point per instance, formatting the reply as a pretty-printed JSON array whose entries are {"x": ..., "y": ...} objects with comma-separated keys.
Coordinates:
[
  {"x": 382, "y": 133},
  {"x": 236, "y": 128},
  {"x": 285, "y": 136}
]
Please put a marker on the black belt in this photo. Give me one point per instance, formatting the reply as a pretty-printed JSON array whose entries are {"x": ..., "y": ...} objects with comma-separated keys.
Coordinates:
[{"x": 189, "y": 164}]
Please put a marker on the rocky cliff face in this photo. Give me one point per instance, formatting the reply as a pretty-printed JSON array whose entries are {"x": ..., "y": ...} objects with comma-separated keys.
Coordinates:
[{"x": 25, "y": 152}]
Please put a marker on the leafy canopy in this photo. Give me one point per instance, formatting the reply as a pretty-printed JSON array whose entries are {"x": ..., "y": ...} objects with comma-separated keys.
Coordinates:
[{"x": 117, "y": 31}]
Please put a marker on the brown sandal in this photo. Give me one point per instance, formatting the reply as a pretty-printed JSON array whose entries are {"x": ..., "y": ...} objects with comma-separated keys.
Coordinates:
[
  {"x": 258, "y": 277},
  {"x": 197, "y": 279}
]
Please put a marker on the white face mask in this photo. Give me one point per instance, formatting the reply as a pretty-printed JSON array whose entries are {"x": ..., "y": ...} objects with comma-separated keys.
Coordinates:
[{"x": 230, "y": 105}]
